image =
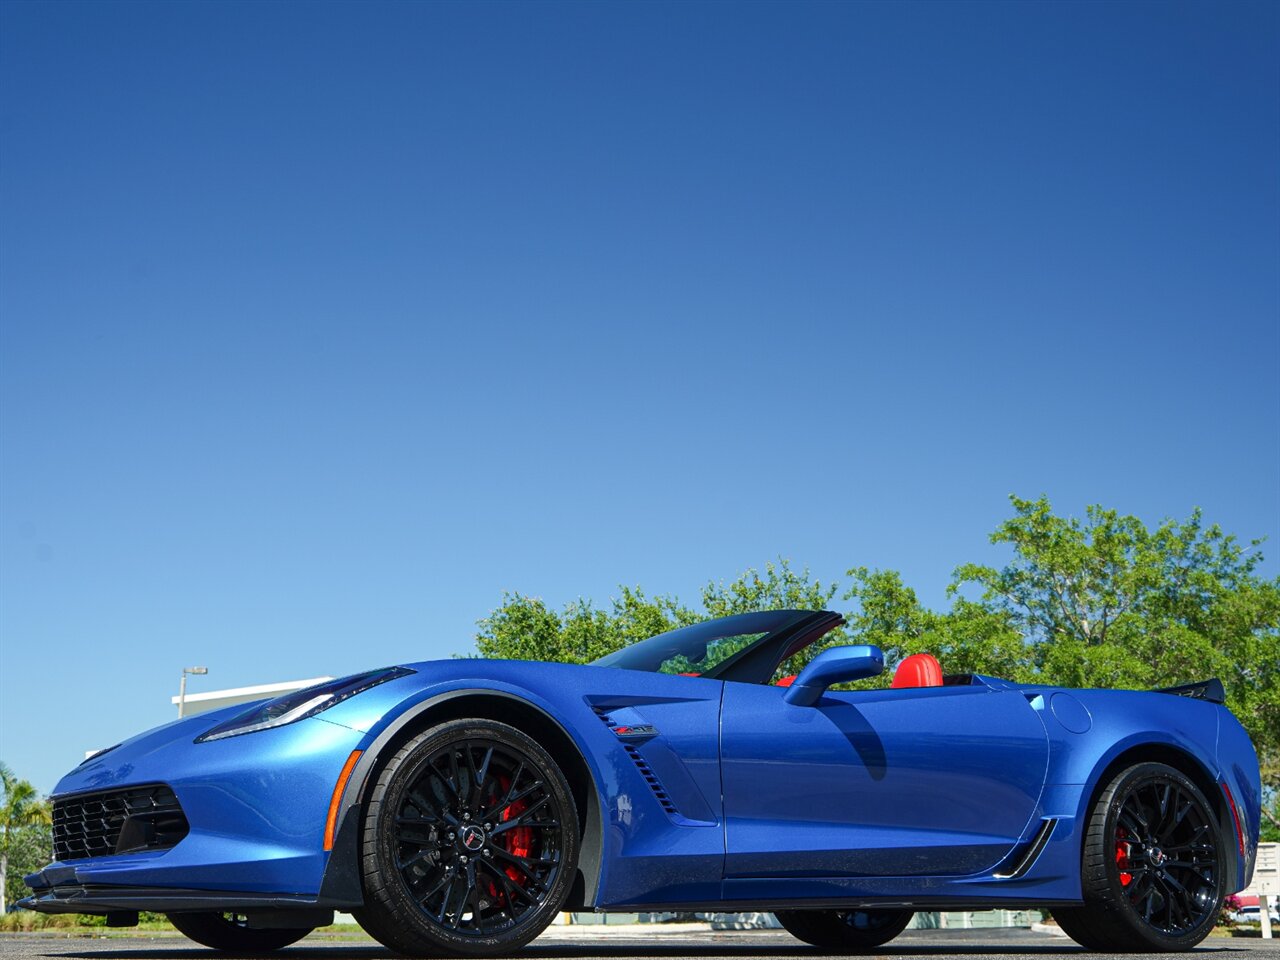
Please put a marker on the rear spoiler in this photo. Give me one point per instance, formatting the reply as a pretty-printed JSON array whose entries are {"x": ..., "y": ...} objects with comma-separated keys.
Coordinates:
[{"x": 1211, "y": 690}]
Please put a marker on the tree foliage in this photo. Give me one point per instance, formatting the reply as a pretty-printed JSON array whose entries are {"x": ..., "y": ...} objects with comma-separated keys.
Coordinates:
[
  {"x": 1107, "y": 602},
  {"x": 525, "y": 628},
  {"x": 25, "y": 837},
  {"x": 1103, "y": 601}
]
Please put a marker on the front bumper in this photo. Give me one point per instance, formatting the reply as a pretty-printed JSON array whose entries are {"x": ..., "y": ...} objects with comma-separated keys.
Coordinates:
[{"x": 256, "y": 807}]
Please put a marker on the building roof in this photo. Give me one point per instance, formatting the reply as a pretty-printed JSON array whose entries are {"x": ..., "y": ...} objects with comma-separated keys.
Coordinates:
[{"x": 217, "y": 699}]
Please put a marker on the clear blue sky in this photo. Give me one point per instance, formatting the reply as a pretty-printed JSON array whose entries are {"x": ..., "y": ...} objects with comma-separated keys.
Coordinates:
[{"x": 325, "y": 324}]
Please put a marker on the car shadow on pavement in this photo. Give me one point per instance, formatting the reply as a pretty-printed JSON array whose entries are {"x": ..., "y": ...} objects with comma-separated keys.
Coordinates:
[{"x": 685, "y": 951}]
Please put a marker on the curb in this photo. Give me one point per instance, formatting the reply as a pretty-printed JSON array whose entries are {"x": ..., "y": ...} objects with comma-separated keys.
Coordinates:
[
  {"x": 1052, "y": 929},
  {"x": 622, "y": 931}
]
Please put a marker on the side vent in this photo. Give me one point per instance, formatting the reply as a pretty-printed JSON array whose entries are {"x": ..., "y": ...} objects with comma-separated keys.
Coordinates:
[
  {"x": 1025, "y": 858},
  {"x": 651, "y": 778}
]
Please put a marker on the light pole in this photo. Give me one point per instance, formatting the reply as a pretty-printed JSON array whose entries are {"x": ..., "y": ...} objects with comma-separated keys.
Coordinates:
[{"x": 182, "y": 686}]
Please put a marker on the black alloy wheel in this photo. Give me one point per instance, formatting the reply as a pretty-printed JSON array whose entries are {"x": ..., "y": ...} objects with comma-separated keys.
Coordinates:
[
  {"x": 231, "y": 933},
  {"x": 470, "y": 842},
  {"x": 1152, "y": 872},
  {"x": 848, "y": 931}
]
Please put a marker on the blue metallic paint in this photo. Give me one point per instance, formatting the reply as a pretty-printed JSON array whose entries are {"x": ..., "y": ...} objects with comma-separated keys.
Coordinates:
[{"x": 914, "y": 796}]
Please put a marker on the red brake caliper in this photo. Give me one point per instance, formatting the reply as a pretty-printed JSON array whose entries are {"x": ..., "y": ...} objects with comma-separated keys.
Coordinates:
[
  {"x": 518, "y": 841},
  {"x": 1122, "y": 856}
]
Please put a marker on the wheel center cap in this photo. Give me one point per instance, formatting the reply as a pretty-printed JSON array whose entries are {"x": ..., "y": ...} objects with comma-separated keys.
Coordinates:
[
  {"x": 472, "y": 837},
  {"x": 1158, "y": 856}
]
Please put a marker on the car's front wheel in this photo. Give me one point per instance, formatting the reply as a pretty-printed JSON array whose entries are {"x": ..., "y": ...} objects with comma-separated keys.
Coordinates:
[
  {"x": 231, "y": 933},
  {"x": 470, "y": 842},
  {"x": 1151, "y": 869},
  {"x": 848, "y": 931}
]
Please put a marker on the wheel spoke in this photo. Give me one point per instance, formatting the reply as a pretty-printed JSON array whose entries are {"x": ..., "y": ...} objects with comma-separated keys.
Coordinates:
[
  {"x": 426, "y": 808},
  {"x": 415, "y": 833},
  {"x": 519, "y": 863},
  {"x": 1150, "y": 901},
  {"x": 508, "y": 800},
  {"x": 481, "y": 776},
  {"x": 1189, "y": 864},
  {"x": 521, "y": 819},
  {"x": 455, "y": 775},
  {"x": 1182, "y": 813},
  {"x": 472, "y": 898},
  {"x": 1146, "y": 893},
  {"x": 1131, "y": 823},
  {"x": 458, "y": 883},
  {"x": 511, "y": 787},
  {"x": 1177, "y": 907},
  {"x": 523, "y": 861},
  {"x": 416, "y": 858},
  {"x": 446, "y": 877},
  {"x": 511, "y": 890},
  {"x": 1190, "y": 844},
  {"x": 443, "y": 780}
]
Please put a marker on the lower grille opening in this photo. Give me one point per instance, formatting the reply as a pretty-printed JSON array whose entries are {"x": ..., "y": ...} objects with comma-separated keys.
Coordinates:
[{"x": 117, "y": 821}]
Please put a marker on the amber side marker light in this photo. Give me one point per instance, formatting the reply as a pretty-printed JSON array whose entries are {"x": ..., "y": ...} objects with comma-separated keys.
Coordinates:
[{"x": 331, "y": 823}]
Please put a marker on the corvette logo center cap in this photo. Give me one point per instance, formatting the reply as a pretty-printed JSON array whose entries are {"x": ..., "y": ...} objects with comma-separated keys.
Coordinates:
[{"x": 472, "y": 837}]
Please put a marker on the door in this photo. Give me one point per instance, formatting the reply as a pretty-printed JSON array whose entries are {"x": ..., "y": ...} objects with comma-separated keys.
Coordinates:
[{"x": 933, "y": 781}]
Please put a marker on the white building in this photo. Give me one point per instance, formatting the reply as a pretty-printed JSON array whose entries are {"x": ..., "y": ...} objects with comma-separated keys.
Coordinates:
[{"x": 194, "y": 703}]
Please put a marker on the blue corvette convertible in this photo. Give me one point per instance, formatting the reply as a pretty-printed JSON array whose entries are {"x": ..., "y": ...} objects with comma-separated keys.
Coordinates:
[{"x": 454, "y": 807}]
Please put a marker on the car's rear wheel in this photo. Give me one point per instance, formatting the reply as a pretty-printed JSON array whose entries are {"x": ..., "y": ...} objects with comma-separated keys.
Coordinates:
[
  {"x": 231, "y": 933},
  {"x": 1151, "y": 870},
  {"x": 848, "y": 931},
  {"x": 470, "y": 842}
]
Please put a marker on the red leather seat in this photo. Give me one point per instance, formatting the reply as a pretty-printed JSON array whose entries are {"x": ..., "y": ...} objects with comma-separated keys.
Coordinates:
[{"x": 918, "y": 670}]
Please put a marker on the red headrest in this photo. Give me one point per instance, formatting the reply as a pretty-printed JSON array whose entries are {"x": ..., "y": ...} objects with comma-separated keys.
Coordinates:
[{"x": 918, "y": 670}]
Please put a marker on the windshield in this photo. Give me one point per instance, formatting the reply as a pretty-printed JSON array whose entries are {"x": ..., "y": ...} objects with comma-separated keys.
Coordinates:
[{"x": 698, "y": 650}]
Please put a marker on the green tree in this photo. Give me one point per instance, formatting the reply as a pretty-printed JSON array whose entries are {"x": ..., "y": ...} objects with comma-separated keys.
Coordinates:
[
  {"x": 21, "y": 809},
  {"x": 525, "y": 628},
  {"x": 1109, "y": 602},
  {"x": 29, "y": 851}
]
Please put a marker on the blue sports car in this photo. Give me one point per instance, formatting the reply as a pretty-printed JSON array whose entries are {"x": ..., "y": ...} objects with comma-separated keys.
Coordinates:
[{"x": 454, "y": 807}]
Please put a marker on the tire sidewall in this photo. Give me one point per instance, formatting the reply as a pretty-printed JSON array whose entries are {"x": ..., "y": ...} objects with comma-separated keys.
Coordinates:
[{"x": 402, "y": 773}]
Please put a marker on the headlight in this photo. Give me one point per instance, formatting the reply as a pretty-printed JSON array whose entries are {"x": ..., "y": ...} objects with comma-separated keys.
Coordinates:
[{"x": 301, "y": 703}]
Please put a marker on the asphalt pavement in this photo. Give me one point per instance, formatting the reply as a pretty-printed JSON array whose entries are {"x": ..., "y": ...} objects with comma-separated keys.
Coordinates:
[{"x": 1005, "y": 944}]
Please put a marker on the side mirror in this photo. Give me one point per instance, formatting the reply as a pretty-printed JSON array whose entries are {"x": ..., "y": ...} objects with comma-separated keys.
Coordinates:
[{"x": 837, "y": 665}]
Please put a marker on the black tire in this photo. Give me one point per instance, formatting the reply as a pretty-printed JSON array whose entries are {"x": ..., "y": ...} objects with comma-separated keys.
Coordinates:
[
  {"x": 848, "y": 931},
  {"x": 230, "y": 933},
  {"x": 470, "y": 842},
  {"x": 1151, "y": 869}
]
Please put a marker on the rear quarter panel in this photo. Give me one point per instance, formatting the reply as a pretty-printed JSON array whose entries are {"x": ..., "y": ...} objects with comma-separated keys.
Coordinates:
[{"x": 1091, "y": 731}]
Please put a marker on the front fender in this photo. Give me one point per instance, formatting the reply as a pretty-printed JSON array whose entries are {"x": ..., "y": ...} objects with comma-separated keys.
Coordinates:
[{"x": 342, "y": 876}]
